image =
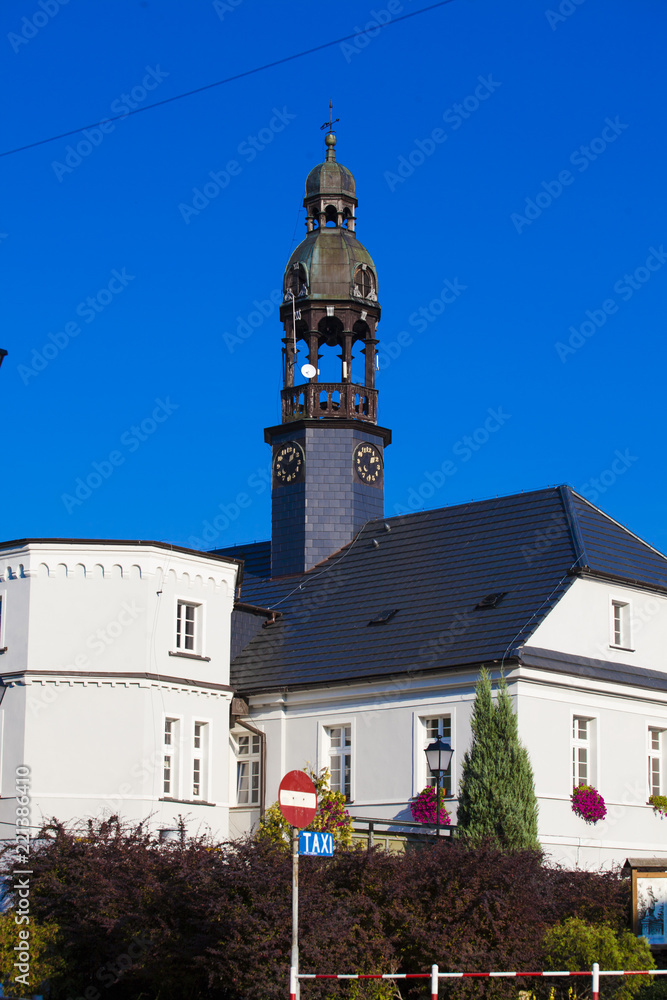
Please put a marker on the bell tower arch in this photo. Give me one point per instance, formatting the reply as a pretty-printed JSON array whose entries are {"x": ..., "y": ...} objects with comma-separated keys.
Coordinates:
[{"x": 328, "y": 452}]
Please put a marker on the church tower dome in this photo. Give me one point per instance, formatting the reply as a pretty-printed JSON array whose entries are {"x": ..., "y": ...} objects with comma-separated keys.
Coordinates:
[
  {"x": 330, "y": 177},
  {"x": 328, "y": 465}
]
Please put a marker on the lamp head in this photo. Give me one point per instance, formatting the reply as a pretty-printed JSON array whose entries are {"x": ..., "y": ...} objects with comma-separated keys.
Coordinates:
[{"x": 439, "y": 756}]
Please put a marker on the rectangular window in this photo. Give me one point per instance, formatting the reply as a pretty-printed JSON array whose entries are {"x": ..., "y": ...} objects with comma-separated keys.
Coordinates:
[
  {"x": 582, "y": 751},
  {"x": 655, "y": 768},
  {"x": 200, "y": 760},
  {"x": 340, "y": 758},
  {"x": 433, "y": 730},
  {"x": 168, "y": 761},
  {"x": 248, "y": 763},
  {"x": 187, "y": 627},
  {"x": 170, "y": 758},
  {"x": 620, "y": 624}
]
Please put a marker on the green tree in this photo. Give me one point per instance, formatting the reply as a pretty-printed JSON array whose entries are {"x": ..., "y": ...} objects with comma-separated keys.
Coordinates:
[
  {"x": 497, "y": 800},
  {"x": 575, "y": 944},
  {"x": 40, "y": 941}
]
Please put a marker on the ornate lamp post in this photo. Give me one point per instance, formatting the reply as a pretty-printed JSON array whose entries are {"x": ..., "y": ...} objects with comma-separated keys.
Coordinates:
[{"x": 439, "y": 757}]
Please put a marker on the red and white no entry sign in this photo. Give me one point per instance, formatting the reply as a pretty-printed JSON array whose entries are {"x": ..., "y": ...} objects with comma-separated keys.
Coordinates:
[{"x": 297, "y": 798}]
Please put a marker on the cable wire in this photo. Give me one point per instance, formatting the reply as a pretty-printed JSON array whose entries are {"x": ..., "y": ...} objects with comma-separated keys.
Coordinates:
[{"x": 228, "y": 79}]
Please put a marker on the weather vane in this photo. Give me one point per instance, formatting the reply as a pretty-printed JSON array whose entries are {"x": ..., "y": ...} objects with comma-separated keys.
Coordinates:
[{"x": 330, "y": 124}]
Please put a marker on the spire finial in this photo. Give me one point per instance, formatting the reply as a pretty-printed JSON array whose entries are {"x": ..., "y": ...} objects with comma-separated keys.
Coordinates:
[
  {"x": 332, "y": 121},
  {"x": 330, "y": 137}
]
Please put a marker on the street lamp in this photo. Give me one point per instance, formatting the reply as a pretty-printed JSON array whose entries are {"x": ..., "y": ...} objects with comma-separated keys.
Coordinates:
[
  {"x": 3, "y": 354},
  {"x": 439, "y": 757}
]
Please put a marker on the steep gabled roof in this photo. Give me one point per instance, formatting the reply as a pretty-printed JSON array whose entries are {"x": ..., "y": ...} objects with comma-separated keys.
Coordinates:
[
  {"x": 612, "y": 550},
  {"x": 442, "y": 588}
]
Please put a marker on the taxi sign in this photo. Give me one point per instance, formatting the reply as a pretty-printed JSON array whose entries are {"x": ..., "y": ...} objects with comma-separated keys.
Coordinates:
[{"x": 316, "y": 844}]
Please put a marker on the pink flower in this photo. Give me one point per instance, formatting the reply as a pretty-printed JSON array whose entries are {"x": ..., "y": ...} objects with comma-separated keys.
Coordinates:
[
  {"x": 588, "y": 803},
  {"x": 423, "y": 808}
]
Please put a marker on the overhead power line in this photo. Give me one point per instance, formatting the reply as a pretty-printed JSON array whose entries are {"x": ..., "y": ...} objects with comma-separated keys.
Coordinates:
[{"x": 228, "y": 79}]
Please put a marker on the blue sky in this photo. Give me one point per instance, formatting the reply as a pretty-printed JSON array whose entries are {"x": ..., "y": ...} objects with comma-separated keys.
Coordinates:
[{"x": 509, "y": 161}]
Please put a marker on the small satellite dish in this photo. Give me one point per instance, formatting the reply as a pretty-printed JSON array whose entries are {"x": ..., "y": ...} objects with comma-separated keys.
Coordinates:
[{"x": 308, "y": 371}]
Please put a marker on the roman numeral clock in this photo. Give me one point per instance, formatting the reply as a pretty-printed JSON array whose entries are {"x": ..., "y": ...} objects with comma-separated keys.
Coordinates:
[{"x": 328, "y": 452}]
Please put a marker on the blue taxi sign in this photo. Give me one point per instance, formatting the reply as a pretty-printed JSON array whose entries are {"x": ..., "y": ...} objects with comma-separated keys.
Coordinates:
[{"x": 316, "y": 844}]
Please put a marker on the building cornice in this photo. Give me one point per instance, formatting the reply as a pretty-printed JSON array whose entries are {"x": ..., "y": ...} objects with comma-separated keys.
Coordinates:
[
  {"x": 593, "y": 574},
  {"x": 434, "y": 685},
  {"x": 294, "y": 426},
  {"x": 22, "y": 543},
  {"x": 106, "y": 675}
]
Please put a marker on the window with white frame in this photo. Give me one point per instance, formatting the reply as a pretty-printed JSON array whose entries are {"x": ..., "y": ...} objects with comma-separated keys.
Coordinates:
[
  {"x": 170, "y": 760},
  {"x": 656, "y": 780},
  {"x": 188, "y": 627},
  {"x": 583, "y": 756},
  {"x": 340, "y": 758},
  {"x": 434, "y": 728},
  {"x": 200, "y": 760},
  {"x": 248, "y": 750},
  {"x": 620, "y": 624}
]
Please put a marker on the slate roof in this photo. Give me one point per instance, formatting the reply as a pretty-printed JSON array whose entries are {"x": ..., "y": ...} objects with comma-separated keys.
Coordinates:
[{"x": 432, "y": 569}]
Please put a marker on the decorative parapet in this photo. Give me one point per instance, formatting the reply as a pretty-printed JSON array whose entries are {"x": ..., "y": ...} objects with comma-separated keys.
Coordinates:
[{"x": 324, "y": 400}]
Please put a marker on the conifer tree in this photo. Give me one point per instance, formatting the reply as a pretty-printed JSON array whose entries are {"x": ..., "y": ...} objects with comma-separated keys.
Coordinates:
[{"x": 497, "y": 800}]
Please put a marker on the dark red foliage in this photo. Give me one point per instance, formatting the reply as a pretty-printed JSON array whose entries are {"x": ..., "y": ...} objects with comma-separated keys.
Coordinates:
[{"x": 195, "y": 920}]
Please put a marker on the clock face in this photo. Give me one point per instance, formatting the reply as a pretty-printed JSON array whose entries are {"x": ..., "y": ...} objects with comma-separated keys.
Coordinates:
[
  {"x": 288, "y": 463},
  {"x": 368, "y": 464}
]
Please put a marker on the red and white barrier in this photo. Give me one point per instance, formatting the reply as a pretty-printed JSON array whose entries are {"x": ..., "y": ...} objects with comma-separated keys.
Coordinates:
[{"x": 435, "y": 976}]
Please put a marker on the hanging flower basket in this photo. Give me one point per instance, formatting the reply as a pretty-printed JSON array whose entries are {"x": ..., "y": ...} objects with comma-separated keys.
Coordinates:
[
  {"x": 659, "y": 803},
  {"x": 588, "y": 803},
  {"x": 423, "y": 808}
]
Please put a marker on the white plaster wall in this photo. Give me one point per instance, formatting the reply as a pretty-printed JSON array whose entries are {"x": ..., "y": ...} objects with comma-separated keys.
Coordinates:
[
  {"x": 389, "y": 765},
  {"x": 388, "y": 761},
  {"x": 113, "y": 608},
  {"x": 95, "y": 749},
  {"x": 581, "y": 624},
  {"x": 15, "y": 594},
  {"x": 95, "y": 743},
  {"x": 622, "y": 716}
]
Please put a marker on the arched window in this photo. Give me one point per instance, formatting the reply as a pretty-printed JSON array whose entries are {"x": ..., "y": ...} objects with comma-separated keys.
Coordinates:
[
  {"x": 364, "y": 282},
  {"x": 331, "y": 215},
  {"x": 296, "y": 281}
]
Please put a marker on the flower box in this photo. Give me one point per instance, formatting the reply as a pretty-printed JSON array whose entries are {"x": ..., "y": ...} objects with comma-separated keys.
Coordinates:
[
  {"x": 588, "y": 803},
  {"x": 423, "y": 808}
]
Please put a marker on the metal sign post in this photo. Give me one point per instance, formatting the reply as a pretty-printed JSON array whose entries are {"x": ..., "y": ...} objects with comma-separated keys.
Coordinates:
[
  {"x": 297, "y": 797},
  {"x": 294, "y": 970}
]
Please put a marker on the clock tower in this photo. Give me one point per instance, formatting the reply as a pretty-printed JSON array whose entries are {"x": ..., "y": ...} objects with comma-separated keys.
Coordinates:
[{"x": 328, "y": 452}]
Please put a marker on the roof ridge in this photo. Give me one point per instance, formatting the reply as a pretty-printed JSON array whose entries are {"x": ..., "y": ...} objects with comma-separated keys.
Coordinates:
[
  {"x": 575, "y": 531},
  {"x": 618, "y": 524},
  {"x": 467, "y": 503}
]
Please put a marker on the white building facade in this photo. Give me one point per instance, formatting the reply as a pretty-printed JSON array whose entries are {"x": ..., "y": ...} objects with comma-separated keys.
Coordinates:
[
  {"x": 116, "y": 696},
  {"x": 587, "y": 674}
]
